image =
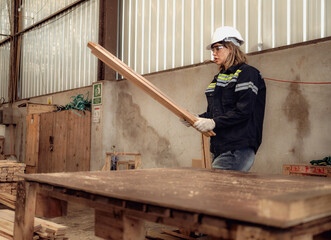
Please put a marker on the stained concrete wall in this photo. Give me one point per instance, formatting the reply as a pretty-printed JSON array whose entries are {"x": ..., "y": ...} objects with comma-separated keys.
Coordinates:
[{"x": 296, "y": 128}]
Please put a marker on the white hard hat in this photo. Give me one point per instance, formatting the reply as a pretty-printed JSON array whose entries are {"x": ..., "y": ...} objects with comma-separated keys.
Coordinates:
[{"x": 226, "y": 34}]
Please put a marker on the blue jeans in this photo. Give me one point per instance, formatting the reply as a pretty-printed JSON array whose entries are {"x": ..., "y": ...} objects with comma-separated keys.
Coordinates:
[{"x": 239, "y": 160}]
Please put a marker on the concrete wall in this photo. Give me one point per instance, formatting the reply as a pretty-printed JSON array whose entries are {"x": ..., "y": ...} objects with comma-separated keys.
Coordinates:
[{"x": 296, "y": 128}]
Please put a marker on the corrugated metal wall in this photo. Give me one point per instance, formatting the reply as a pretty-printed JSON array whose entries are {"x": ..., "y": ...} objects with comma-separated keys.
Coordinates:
[
  {"x": 163, "y": 34},
  {"x": 155, "y": 35},
  {"x": 4, "y": 49},
  {"x": 55, "y": 56},
  {"x": 4, "y": 71},
  {"x": 4, "y": 19}
]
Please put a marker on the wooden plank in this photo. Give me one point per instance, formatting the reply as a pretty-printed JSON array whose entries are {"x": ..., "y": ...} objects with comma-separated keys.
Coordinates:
[
  {"x": 298, "y": 205},
  {"x": 197, "y": 163},
  {"x": 50, "y": 207},
  {"x": 42, "y": 227},
  {"x": 306, "y": 170},
  {"x": 30, "y": 169},
  {"x": 142, "y": 83},
  {"x": 205, "y": 149},
  {"x": 8, "y": 187},
  {"x": 158, "y": 236},
  {"x": 9, "y": 215},
  {"x": 176, "y": 234},
  {"x": 71, "y": 137},
  {"x": 109, "y": 225},
  {"x": 134, "y": 228},
  {"x": 48, "y": 226},
  {"x": 138, "y": 162},
  {"x": 107, "y": 165},
  {"x": 32, "y": 140},
  {"x": 78, "y": 141},
  {"x": 60, "y": 130},
  {"x": 6, "y": 227},
  {"x": 86, "y": 142},
  {"x": 123, "y": 154},
  {"x": 33, "y": 108},
  {"x": 246, "y": 232},
  {"x": 46, "y": 143},
  {"x": 8, "y": 200}
]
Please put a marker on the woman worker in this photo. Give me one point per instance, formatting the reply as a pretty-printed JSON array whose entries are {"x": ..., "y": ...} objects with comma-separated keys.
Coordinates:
[{"x": 236, "y": 103}]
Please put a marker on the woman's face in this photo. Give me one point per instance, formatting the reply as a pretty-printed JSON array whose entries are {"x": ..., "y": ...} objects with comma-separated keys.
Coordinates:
[{"x": 220, "y": 53}]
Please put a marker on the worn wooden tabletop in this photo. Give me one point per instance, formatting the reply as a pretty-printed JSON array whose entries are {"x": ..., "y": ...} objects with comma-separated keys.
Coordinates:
[{"x": 275, "y": 200}]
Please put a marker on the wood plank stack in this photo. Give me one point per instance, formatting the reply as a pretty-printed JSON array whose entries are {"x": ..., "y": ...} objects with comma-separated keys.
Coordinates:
[
  {"x": 9, "y": 171},
  {"x": 8, "y": 200},
  {"x": 43, "y": 229},
  {"x": 8, "y": 187}
]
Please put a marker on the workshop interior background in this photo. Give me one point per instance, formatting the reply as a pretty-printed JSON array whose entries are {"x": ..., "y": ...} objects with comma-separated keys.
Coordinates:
[{"x": 44, "y": 59}]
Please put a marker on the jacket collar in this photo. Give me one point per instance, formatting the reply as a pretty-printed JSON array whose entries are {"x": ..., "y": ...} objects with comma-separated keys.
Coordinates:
[{"x": 232, "y": 69}]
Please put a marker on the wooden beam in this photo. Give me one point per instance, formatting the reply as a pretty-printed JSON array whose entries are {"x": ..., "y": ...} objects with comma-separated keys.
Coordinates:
[
  {"x": 120, "y": 67},
  {"x": 25, "y": 210}
]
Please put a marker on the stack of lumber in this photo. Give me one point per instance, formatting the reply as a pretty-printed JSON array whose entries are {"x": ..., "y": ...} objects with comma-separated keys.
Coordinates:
[
  {"x": 9, "y": 171},
  {"x": 43, "y": 229},
  {"x": 9, "y": 176},
  {"x": 7, "y": 199}
]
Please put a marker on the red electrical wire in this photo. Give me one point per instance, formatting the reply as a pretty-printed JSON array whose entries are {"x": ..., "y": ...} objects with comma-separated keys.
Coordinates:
[{"x": 277, "y": 80}]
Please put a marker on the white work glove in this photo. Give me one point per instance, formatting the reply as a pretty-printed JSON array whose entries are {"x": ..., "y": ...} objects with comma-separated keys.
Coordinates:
[
  {"x": 183, "y": 121},
  {"x": 204, "y": 124}
]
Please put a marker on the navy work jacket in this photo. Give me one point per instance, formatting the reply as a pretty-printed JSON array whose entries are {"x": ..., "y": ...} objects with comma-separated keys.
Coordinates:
[{"x": 236, "y": 102}]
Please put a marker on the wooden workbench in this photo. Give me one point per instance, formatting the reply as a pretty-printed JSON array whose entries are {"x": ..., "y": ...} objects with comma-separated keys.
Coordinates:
[{"x": 227, "y": 204}]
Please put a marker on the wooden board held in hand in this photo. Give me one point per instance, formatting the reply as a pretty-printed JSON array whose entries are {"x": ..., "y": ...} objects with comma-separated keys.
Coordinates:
[{"x": 120, "y": 67}]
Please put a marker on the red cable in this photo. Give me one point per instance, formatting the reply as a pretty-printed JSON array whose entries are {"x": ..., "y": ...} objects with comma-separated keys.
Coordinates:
[{"x": 277, "y": 80}]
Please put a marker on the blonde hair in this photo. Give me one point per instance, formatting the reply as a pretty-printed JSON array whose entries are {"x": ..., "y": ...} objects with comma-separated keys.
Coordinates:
[{"x": 235, "y": 57}]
